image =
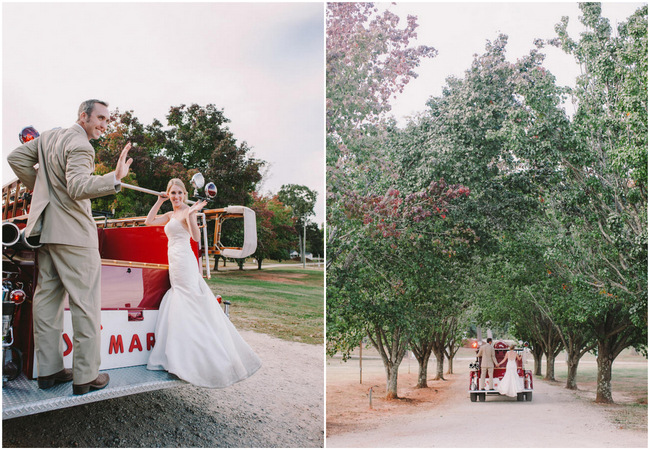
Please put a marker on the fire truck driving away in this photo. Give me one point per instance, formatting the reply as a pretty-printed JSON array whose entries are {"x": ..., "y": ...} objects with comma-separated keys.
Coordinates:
[
  {"x": 134, "y": 280},
  {"x": 500, "y": 349}
]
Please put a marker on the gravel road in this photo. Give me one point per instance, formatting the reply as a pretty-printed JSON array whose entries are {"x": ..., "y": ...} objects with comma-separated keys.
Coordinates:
[
  {"x": 280, "y": 406},
  {"x": 555, "y": 418}
]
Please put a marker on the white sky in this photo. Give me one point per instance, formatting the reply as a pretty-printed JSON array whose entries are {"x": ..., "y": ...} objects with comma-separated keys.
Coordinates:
[
  {"x": 261, "y": 62},
  {"x": 460, "y": 30}
]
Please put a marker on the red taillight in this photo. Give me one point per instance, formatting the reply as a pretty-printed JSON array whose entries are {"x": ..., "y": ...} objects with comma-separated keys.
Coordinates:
[
  {"x": 17, "y": 296},
  {"x": 211, "y": 190},
  {"x": 219, "y": 299}
]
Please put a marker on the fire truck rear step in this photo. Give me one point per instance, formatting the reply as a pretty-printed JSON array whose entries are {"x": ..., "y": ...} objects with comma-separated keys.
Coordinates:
[{"x": 22, "y": 397}]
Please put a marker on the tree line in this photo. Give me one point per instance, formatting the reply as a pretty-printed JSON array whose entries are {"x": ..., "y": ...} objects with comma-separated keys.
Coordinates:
[
  {"x": 197, "y": 139},
  {"x": 493, "y": 207}
]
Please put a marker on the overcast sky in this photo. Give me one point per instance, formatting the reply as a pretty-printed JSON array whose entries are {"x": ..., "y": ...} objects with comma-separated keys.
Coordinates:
[
  {"x": 261, "y": 62},
  {"x": 460, "y": 30}
]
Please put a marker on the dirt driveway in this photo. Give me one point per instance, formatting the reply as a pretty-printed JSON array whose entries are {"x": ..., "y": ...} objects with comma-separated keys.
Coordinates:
[{"x": 443, "y": 415}]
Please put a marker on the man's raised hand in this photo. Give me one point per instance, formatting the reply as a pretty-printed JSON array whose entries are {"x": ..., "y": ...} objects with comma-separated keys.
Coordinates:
[{"x": 122, "y": 168}]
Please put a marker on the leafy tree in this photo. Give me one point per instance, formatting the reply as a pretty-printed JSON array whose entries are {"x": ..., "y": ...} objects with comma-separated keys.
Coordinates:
[
  {"x": 301, "y": 200},
  {"x": 194, "y": 134},
  {"x": 368, "y": 61},
  {"x": 276, "y": 234},
  {"x": 199, "y": 139},
  {"x": 149, "y": 168},
  {"x": 315, "y": 239},
  {"x": 602, "y": 208},
  {"x": 381, "y": 286},
  {"x": 558, "y": 205},
  {"x": 490, "y": 130},
  {"x": 457, "y": 336},
  {"x": 439, "y": 272}
]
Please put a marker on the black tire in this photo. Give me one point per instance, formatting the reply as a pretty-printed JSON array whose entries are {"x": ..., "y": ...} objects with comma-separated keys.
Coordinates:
[
  {"x": 481, "y": 397},
  {"x": 520, "y": 396},
  {"x": 472, "y": 396},
  {"x": 529, "y": 396}
]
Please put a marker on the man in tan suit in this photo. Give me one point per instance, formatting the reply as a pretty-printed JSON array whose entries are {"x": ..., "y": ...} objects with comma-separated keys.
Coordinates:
[
  {"x": 68, "y": 260},
  {"x": 488, "y": 361}
]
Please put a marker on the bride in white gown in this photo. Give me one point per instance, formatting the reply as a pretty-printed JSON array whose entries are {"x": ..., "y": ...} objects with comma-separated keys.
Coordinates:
[
  {"x": 194, "y": 339},
  {"x": 511, "y": 384}
]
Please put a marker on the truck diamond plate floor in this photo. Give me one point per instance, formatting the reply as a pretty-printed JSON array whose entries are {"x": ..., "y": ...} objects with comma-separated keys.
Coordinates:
[{"x": 22, "y": 397}]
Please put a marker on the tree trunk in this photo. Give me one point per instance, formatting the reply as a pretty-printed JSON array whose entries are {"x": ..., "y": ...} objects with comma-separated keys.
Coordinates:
[
  {"x": 216, "y": 263},
  {"x": 572, "y": 373},
  {"x": 550, "y": 366},
  {"x": 392, "y": 348},
  {"x": 422, "y": 373},
  {"x": 578, "y": 343},
  {"x": 440, "y": 364},
  {"x": 537, "y": 355},
  {"x": 450, "y": 353},
  {"x": 614, "y": 333},
  {"x": 604, "y": 380},
  {"x": 450, "y": 370},
  {"x": 391, "y": 381},
  {"x": 422, "y": 351},
  {"x": 440, "y": 340},
  {"x": 259, "y": 264}
]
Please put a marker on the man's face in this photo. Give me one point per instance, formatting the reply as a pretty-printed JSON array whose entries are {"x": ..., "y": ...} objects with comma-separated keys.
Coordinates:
[{"x": 95, "y": 125}]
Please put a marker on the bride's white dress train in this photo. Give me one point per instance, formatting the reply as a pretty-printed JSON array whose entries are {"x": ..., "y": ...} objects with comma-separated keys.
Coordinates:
[
  {"x": 511, "y": 384},
  {"x": 195, "y": 340}
]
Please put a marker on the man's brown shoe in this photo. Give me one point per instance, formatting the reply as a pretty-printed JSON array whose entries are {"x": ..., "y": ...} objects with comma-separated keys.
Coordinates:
[
  {"x": 47, "y": 382},
  {"x": 98, "y": 383}
]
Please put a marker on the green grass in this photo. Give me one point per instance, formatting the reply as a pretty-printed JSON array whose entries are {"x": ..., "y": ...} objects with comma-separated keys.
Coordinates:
[
  {"x": 629, "y": 375},
  {"x": 283, "y": 302}
]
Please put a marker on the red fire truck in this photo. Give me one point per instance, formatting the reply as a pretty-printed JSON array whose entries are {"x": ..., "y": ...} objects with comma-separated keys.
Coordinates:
[
  {"x": 134, "y": 280},
  {"x": 500, "y": 349}
]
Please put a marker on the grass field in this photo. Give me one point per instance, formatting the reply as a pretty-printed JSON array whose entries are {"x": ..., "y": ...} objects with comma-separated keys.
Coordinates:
[{"x": 284, "y": 302}]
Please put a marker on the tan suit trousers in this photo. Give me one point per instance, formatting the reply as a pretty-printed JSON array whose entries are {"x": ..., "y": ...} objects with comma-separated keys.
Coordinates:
[
  {"x": 77, "y": 271},
  {"x": 490, "y": 372}
]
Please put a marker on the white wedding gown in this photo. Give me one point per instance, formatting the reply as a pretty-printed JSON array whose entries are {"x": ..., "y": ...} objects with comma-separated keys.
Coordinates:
[
  {"x": 195, "y": 340},
  {"x": 511, "y": 384}
]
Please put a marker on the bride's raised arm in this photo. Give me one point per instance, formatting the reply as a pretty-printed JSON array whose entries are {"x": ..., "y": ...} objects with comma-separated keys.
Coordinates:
[{"x": 152, "y": 219}]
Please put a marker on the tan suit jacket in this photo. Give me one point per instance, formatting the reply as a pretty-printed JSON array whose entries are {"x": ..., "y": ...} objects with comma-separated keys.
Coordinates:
[
  {"x": 488, "y": 358},
  {"x": 60, "y": 210},
  {"x": 60, "y": 213}
]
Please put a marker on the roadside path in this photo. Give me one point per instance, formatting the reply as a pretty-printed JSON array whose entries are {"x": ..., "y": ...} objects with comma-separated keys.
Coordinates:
[{"x": 556, "y": 417}]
